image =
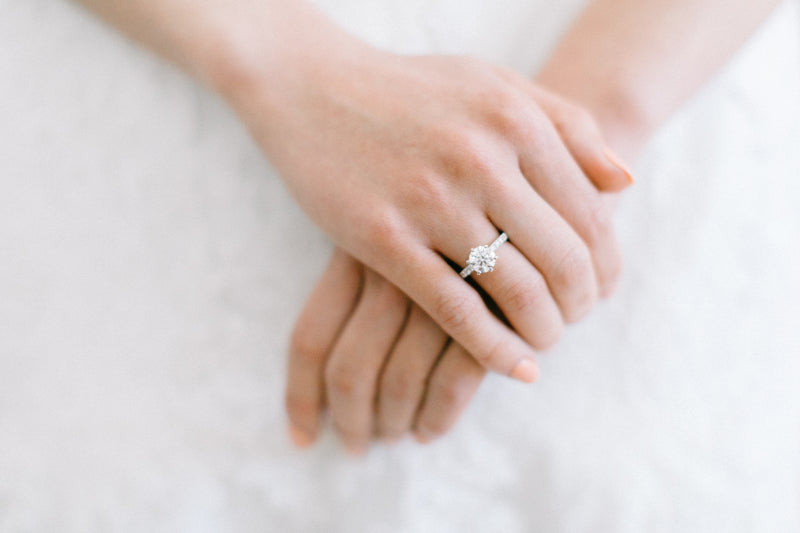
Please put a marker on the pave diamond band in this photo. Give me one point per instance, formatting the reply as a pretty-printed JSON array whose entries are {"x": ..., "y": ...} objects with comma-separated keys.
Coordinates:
[{"x": 483, "y": 258}]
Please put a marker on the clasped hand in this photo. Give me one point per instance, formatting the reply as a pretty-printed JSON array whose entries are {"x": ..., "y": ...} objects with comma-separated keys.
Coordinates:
[{"x": 407, "y": 163}]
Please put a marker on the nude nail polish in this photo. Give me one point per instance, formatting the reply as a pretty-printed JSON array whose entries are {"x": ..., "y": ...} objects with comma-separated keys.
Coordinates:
[
  {"x": 617, "y": 162},
  {"x": 526, "y": 371}
]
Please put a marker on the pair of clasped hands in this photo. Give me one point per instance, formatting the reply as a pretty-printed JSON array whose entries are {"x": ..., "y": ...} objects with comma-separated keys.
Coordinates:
[{"x": 407, "y": 163}]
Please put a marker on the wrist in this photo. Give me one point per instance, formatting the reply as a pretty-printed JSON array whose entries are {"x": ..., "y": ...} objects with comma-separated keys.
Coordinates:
[
  {"x": 623, "y": 119},
  {"x": 625, "y": 128},
  {"x": 270, "y": 57},
  {"x": 281, "y": 86}
]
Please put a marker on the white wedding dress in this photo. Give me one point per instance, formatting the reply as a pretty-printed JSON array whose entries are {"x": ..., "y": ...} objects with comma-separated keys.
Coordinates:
[{"x": 151, "y": 266}]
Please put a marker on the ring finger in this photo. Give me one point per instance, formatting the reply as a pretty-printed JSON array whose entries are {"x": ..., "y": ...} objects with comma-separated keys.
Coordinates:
[{"x": 515, "y": 285}]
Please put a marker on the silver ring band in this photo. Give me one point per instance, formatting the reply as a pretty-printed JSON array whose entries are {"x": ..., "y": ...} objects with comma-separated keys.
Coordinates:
[{"x": 483, "y": 258}]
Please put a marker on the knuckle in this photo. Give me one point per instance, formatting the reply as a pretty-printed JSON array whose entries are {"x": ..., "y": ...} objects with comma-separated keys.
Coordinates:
[
  {"x": 451, "y": 396},
  {"x": 524, "y": 296},
  {"x": 384, "y": 233},
  {"x": 383, "y": 226},
  {"x": 575, "y": 268},
  {"x": 479, "y": 162},
  {"x": 477, "y": 157},
  {"x": 398, "y": 388},
  {"x": 570, "y": 118},
  {"x": 575, "y": 275},
  {"x": 598, "y": 226},
  {"x": 430, "y": 192},
  {"x": 343, "y": 382},
  {"x": 509, "y": 114},
  {"x": 538, "y": 125},
  {"x": 491, "y": 359},
  {"x": 453, "y": 311},
  {"x": 300, "y": 407},
  {"x": 305, "y": 348},
  {"x": 468, "y": 153}
]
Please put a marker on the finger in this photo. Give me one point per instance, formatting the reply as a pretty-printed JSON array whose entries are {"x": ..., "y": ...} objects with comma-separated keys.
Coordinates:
[
  {"x": 580, "y": 133},
  {"x": 552, "y": 170},
  {"x": 549, "y": 243},
  {"x": 351, "y": 373},
  {"x": 554, "y": 174},
  {"x": 313, "y": 337},
  {"x": 402, "y": 384},
  {"x": 582, "y": 137},
  {"x": 453, "y": 383},
  {"x": 515, "y": 285},
  {"x": 462, "y": 314}
]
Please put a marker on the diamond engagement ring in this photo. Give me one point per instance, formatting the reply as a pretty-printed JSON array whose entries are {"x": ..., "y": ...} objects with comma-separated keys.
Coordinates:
[{"x": 482, "y": 259}]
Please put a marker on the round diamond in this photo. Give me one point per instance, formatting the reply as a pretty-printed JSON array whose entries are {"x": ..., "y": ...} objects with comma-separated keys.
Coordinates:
[{"x": 482, "y": 259}]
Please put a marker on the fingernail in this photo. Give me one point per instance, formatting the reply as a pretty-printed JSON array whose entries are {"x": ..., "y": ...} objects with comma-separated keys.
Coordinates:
[
  {"x": 526, "y": 371},
  {"x": 300, "y": 438},
  {"x": 617, "y": 162}
]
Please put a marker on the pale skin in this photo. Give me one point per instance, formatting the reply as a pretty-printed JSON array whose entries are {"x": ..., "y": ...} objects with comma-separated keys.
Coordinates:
[
  {"x": 405, "y": 161},
  {"x": 614, "y": 63}
]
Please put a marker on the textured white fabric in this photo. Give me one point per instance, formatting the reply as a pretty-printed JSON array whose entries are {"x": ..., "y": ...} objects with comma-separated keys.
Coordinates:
[{"x": 143, "y": 321}]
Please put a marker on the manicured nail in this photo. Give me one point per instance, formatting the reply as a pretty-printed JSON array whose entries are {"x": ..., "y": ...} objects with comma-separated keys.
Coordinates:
[
  {"x": 526, "y": 371},
  {"x": 300, "y": 438},
  {"x": 617, "y": 162}
]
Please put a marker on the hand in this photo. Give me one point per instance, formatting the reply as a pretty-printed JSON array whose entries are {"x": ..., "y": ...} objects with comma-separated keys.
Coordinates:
[
  {"x": 405, "y": 159},
  {"x": 376, "y": 359}
]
